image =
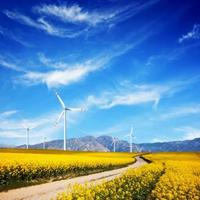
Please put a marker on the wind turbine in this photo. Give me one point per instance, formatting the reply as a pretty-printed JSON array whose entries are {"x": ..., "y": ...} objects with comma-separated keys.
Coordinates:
[
  {"x": 139, "y": 149},
  {"x": 44, "y": 142},
  {"x": 87, "y": 147},
  {"x": 27, "y": 134},
  {"x": 64, "y": 112},
  {"x": 130, "y": 135},
  {"x": 114, "y": 143}
]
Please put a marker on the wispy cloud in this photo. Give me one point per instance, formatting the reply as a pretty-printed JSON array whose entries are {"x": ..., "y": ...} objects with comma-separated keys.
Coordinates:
[
  {"x": 12, "y": 125},
  {"x": 7, "y": 33},
  {"x": 57, "y": 78},
  {"x": 131, "y": 94},
  {"x": 80, "y": 19},
  {"x": 51, "y": 63},
  {"x": 40, "y": 24},
  {"x": 181, "y": 112},
  {"x": 8, "y": 113},
  {"x": 193, "y": 34},
  {"x": 189, "y": 132},
  {"x": 137, "y": 94},
  {"x": 65, "y": 74},
  {"x": 10, "y": 64},
  {"x": 78, "y": 15},
  {"x": 169, "y": 56},
  {"x": 13, "y": 128},
  {"x": 74, "y": 14}
]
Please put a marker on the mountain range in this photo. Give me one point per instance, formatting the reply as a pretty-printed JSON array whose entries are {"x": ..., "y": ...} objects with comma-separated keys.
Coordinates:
[{"x": 105, "y": 144}]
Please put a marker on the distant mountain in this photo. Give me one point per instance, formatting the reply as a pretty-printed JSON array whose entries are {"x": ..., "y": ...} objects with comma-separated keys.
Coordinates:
[
  {"x": 6, "y": 146},
  {"x": 186, "y": 145},
  {"x": 87, "y": 143},
  {"x": 107, "y": 142},
  {"x": 104, "y": 143}
]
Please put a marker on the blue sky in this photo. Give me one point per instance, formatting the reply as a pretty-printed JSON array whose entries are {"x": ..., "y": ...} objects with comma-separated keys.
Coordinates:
[{"x": 129, "y": 63}]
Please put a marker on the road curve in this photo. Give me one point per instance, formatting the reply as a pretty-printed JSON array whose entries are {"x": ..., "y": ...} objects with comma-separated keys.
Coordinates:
[{"x": 48, "y": 191}]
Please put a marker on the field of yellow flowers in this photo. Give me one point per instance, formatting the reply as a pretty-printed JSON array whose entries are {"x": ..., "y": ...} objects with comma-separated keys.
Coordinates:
[
  {"x": 181, "y": 179},
  {"x": 25, "y": 166},
  {"x": 170, "y": 176}
]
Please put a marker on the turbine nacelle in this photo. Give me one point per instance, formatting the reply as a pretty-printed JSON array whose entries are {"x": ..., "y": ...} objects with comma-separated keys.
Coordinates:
[{"x": 75, "y": 109}]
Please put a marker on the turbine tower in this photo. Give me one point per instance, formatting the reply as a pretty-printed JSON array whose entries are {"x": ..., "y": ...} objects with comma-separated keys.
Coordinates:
[
  {"x": 114, "y": 143},
  {"x": 44, "y": 142},
  {"x": 130, "y": 135},
  {"x": 27, "y": 134},
  {"x": 64, "y": 112},
  {"x": 131, "y": 140}
]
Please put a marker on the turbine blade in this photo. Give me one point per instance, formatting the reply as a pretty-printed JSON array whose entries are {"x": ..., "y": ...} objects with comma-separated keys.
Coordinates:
[
  {"x": 61, "y": 114},
  {"x": 131, "y": 133},
  {"x": 32, "y": 127},
  {"x": 76, "y": 109},
  {"x": 24, "y": 126},
  {"x": 61, "y": 101},
  {"x": 127, "y": 135}
]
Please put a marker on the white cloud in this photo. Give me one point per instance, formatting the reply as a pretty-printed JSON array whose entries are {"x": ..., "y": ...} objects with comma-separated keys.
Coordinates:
[
  {"x": 52, "y": 64},
  {"x": 65, "y": 74},
  {"x": 10, "y": 65},
  {"x": 137, "y": 94},
  {"x": 169, "y": 56},
  {"x": 15, "y": 123},
  {"x": 57, "y": 78},
  {"x": 8, "y": 113},
  {"x": 129, "y": 94},
  {"x": 15, "y": 37},
  {"x": 189, "y": 132},
  {"x": 40, "y": 24},
  {"x": 12, "y": 125},
  {"x": 193, "y": 34},
  {"x": 62, "y": 73},
  {"x": 60, "y": 77},
  {"x": 181, "y": 112},
  {"x": 74, "y": 14},
  {"x": 17, "y": 134},
  {"x": 44, "y": 125},
  {"x": 84, "y": 21},
  {"x": 77, "y": 15}
]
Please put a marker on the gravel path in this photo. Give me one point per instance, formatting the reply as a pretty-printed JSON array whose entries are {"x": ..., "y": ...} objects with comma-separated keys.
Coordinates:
[{"x": 48, "y": 191}]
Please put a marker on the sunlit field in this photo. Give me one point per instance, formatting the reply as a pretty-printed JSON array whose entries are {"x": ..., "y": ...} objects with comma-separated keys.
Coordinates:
[
  {"x": 181, "y": 179},
  {"x": 168, "y": 176},
  {"x": 173, "y": 156},
  {"x": 32, "y": 166}
]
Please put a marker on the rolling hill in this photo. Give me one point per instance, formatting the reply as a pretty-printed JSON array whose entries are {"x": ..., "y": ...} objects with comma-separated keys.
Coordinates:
[{"x": 104, "y": 143}]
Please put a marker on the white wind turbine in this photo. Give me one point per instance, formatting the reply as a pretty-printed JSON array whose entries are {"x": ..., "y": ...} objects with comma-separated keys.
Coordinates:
[
  {"x": 114, "y": 140},
  {"x": 44, "y": 142},
  {"x": 64, "y": 112},
  {"x": 139, "y": 149},
  {"x": 130, "y": 135},
  {"x": 27, "y": 134}
]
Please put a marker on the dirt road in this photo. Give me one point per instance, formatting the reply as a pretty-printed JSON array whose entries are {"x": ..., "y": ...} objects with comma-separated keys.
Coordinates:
[{"x": 49, "y": 190}]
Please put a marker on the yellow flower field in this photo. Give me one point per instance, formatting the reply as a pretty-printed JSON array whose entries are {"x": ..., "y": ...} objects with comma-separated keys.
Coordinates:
[
  {"x": 170, "y": 176},
  {"x": 181, "y": 180},
  {"x": 18, "y": 166},
  {"x": 134, "y": 183}
]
